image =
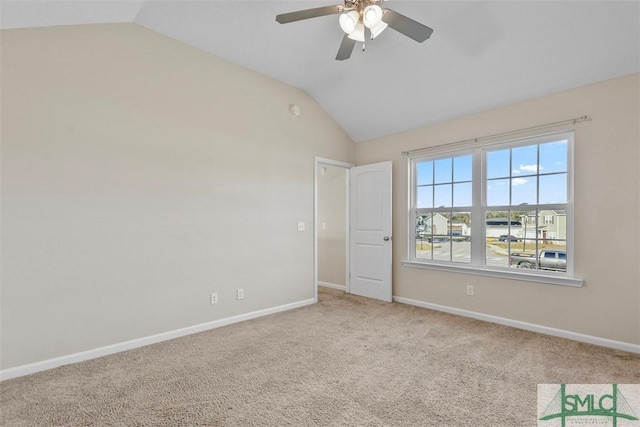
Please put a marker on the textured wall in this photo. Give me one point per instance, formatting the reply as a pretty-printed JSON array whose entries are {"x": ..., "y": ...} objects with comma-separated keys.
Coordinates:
[
  {"x": 138, "y": 176},
  {"x": 607, "y": 214}
]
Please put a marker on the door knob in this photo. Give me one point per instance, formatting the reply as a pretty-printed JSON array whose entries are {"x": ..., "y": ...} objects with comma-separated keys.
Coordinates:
[{"x": 386, "y": 238}]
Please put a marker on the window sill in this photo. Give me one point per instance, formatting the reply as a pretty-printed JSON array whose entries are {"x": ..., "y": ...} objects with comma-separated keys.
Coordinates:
[{"x": 502, "y": 274}]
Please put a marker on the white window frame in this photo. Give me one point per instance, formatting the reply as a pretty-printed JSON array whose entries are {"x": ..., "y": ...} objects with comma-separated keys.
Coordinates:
[
  {"x": 478, "y": 210},
  {"x": 438, "y": 210}
]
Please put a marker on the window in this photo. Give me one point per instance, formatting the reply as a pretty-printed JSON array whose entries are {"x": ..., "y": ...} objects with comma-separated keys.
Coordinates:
[
  {"x": 443, "y": 203},
  {"x": 490, "y": 208}
]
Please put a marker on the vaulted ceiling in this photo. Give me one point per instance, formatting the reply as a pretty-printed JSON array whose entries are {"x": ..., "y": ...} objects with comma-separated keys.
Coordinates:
[{"x": 482, "y": 54}]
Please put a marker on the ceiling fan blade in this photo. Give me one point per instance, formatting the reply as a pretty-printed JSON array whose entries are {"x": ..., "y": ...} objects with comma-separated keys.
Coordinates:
[
  {"x": 407, "y": 26},
  {"x": 285, "y": 18},
  {"x": 346, "y": 48}
]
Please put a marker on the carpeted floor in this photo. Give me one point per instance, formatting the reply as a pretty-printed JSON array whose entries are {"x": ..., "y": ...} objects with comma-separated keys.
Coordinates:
[{"x": 345, "y": 361}]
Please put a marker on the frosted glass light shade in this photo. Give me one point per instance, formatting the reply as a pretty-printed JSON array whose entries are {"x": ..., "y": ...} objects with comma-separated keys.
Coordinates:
[
  {"x": 375, "y": 31},
  {"x": 349, "y": 21},
  {"x": 372, "y": 15},
  {"x": 358, "y": 33}
]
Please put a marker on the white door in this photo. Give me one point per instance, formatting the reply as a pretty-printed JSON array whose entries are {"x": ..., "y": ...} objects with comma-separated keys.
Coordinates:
[{"x": 370, "y": 236}]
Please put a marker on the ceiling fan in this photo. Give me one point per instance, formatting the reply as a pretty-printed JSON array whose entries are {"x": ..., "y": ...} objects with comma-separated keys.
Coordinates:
[{"x": 362, "y": 19}]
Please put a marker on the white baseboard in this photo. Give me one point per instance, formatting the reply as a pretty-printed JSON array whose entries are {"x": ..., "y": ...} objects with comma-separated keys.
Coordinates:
[
  {"x": 605, "y": 342},
  {"x": 32, "y": 368},
  {"x": 332, "y": 286}
]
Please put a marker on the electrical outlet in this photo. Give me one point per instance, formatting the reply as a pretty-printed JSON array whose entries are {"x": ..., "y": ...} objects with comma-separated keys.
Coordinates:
[
  {"x": 214, "y": 298},
  {"x": 240, "y": 293},
  {"x": 301, "y": 226},
  {"x": 470, "y": 290}
]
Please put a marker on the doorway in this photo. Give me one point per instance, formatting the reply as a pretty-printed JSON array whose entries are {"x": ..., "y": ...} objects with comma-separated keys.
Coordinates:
[
  {"x": 331, "y": 224},
  {"x": 352, "y": 228}
]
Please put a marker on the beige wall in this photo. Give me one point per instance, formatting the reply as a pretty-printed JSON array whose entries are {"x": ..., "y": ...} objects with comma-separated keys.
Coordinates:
[
  {"x": 138, "y": 176},
  {"x": 606, "y": 188},
  {"x": 332, "y": 215}
]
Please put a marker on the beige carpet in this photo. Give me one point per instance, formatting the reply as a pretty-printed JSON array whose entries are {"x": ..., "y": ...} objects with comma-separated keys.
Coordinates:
[{"x": 345, "y": 361}]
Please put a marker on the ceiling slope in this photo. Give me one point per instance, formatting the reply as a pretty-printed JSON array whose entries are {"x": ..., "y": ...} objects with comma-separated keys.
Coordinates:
[{"x": 482, "y": 54}]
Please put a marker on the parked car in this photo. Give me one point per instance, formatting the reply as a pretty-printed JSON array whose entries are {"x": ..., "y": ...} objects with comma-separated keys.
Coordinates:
[
  {"x": 548, "y": 260},
  {"x": 507, "y": 237}
]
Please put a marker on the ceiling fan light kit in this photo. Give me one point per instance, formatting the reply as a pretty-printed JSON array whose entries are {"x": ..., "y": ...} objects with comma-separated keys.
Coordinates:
[
  {"x": 358, "y": 33},
  {"x": 372, "y": 15},
  {"x": 348, "y": 21},
  {"x": 358, "y": 15},
  {"x": 375, "y": 31}
]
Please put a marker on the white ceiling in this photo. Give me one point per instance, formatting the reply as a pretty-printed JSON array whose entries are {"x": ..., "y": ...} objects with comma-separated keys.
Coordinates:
[{"x": 482, "y": 54}]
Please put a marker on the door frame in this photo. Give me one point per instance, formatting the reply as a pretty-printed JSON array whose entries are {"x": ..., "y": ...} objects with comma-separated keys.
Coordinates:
[{"x": 318, "y": 163}]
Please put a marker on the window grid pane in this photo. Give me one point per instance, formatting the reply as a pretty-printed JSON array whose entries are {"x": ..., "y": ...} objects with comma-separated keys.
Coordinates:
[
  {"x": 443, "y": 236},
  {"x": 424, "y": 171}
]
